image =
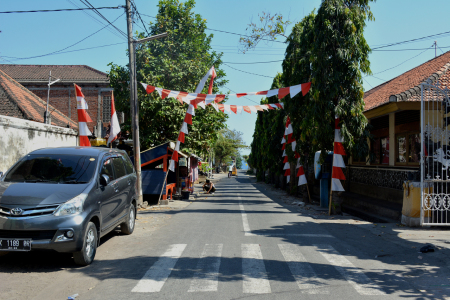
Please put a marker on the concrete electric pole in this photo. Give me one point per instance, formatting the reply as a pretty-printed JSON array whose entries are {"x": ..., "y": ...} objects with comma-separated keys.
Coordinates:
[{"x": 134, "y": 105}]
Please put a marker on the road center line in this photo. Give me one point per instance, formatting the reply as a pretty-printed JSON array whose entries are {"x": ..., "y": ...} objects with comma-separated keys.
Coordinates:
[{"x": 247, "y": 230}]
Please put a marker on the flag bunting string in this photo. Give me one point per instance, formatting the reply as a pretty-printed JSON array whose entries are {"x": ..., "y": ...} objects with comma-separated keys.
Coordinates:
[{"x": 212, "y": 99}]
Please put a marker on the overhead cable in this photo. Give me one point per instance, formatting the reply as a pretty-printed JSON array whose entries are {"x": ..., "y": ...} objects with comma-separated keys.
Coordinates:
[
  {"x": 55, "y": 52},
  {"x": 88, "y": 4},
  {"x": 55, "y": 10}
]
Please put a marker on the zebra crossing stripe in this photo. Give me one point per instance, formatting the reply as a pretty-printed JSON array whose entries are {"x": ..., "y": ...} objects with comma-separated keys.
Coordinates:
[
  {"x": 157, "y": 275},
  {"x": 355, "y": 276},
  {"x": 255, "y": 280},
  {"x": 302, "y": 271},
  {"x": 206, "y": 277}
]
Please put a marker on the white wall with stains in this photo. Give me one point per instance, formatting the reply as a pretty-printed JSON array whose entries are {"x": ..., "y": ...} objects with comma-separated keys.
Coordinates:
[{"x": 19, "y": 137}]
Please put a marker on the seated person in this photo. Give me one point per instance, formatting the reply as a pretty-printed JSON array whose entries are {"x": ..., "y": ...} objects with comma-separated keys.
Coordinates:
[{"x": 209, "y": 187}]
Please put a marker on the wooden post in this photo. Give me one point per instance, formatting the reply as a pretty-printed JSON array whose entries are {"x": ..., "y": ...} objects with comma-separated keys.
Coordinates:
[
  {"x": 331, "y": 188},
  {"x": 307, "y": 189}
]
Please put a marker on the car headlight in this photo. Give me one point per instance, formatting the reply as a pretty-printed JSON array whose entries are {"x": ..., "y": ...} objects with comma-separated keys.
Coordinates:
[{"x": 71, "y": 207}]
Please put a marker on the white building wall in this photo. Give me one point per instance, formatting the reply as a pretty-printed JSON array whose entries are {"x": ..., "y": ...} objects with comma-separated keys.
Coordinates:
[{"x": 19, "y": 137}]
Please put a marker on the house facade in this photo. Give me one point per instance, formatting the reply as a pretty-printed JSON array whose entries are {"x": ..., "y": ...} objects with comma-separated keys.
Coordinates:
[
  {"x": 394, "y": 111},
  {"x": 94, "y": 83},
  {"x": 22, "y": 123}
]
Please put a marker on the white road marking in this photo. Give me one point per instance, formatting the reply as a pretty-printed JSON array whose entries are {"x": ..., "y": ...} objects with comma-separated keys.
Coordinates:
[
  {"x": 355, "y": 276},
  {"x": 206, "y": 279},
  {"x": 247, "y": 230},
  {"x": 302, "y": 271},
  {"x": 255, "y": 280},
  {"x": 157, "y": 275},
  {"x": 299, "y": 234}
]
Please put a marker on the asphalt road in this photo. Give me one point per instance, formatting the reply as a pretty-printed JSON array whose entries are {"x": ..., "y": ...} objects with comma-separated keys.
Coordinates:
[{"x": 241, "y": 242}]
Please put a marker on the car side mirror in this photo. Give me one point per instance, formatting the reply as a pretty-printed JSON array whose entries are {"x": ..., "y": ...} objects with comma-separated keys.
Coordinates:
[
  {"x": 1, "y": 174},
  {"x": 104, "y": 180}
]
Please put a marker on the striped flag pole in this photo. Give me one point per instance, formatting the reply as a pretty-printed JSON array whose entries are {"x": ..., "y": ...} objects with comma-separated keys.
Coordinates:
[
  {"x": 338, "y": 162},
  {"x": 83, "y": 118}
]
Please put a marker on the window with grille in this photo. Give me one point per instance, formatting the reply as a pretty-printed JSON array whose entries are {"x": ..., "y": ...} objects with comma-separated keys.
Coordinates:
[{"x": 106, "y": 109}]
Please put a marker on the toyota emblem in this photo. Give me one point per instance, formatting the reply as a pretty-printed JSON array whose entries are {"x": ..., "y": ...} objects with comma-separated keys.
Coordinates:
[{"x": 16, "y": 211}]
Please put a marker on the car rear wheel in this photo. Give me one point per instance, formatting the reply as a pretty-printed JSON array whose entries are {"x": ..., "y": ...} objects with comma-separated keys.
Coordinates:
[
  {"x": 86, "y": 255},
  {"x": 127, "y": 227}
]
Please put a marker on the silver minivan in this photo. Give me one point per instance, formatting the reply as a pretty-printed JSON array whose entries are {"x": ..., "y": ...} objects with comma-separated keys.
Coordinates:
[{"x": 66, "y": 199}]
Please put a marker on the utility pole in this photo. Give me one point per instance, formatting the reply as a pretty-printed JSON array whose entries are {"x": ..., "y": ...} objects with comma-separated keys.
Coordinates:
[
  {"x": 134, "y": 112},
  {"x": 134, "y": 106}
]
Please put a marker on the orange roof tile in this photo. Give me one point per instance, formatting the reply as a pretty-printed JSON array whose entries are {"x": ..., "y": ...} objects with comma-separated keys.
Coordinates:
[
  {"x": 31, "y": 107},
  {"x": 405, "y": 87}
]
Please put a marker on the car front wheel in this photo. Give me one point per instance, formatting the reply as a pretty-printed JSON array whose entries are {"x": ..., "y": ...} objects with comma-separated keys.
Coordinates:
[
  {"x": 86, "y": 255},
  {"x": 127, "y": 227}
]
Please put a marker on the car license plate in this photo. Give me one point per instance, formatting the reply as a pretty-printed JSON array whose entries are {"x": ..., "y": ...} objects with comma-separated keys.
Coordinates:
[{"x": 15, "y": 245}]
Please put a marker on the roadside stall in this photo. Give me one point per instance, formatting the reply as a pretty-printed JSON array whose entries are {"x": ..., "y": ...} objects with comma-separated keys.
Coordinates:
[{"x": 154, "y": 168}]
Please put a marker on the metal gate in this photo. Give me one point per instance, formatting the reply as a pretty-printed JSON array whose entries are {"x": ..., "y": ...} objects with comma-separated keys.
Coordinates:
[{"x": 435, "y": 156}]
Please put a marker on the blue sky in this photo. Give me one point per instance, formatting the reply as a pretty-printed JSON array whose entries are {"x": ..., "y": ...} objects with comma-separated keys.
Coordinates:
[{"x": 35, "y": 34}]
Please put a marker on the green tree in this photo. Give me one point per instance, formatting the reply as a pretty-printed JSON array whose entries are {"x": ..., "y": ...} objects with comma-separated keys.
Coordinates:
[
  {"x": 177, "y": 62},
  {"x": 266, "y": 146},
  {"x": 227, "y": 145},
  {"x": 239, "y": 161},
  {"x": 339, "y": 57},
  {"x": 329, "y": 49}
]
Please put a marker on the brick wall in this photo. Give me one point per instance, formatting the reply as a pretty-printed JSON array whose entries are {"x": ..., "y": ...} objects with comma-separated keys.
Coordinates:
[{"x": 63, "y": 98}]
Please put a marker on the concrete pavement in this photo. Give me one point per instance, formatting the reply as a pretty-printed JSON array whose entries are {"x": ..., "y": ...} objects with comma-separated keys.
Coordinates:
[{"x": 247, "y": 240}]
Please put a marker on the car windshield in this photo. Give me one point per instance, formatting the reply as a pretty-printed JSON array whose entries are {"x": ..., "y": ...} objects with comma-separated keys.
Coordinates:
[{"x": 53, "y": 168}]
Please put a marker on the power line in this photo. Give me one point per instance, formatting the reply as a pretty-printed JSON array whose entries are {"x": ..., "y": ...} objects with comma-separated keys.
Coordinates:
[
  {"x": 58, "y": 51},
  {"x": 413, "y": 40},
  {"x": 247, "y": 72},
  {"x": 401, "y": 62},
  {"x": 88, "y": 4},
  {"x": 139, "y": 15},
  {"x": 243, "y": 97},
  {"x": 252, "y": 63},
  {"x": 413, "y": 49},
  {"x": 54, "y": 10},
  {"x": 223, "y": 31},
  {"x": 367, "y": 82},
  {"x": 88, "y": 13}
]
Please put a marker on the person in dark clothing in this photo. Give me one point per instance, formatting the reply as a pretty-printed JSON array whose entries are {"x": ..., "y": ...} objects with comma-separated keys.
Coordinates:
[{"x": 209, "y": 187}]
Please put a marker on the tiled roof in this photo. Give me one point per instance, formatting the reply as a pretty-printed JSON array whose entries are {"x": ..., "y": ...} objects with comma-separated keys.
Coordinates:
[
  {"x": 406, "y": 86},
  {"x": 22, "y": 103},
  {"x": 67, "y": 73}
]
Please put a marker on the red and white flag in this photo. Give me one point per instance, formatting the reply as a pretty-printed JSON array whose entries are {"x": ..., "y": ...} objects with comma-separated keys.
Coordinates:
[
  {"x": 83, "y": 118},
  {"x": 115, "y": 126},
  {"x": 301, "y": 173},
  {"x": 338, "y": 161}
]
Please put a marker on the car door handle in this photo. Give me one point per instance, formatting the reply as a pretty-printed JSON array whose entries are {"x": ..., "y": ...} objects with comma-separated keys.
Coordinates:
[{"x": 129, "y": 182}]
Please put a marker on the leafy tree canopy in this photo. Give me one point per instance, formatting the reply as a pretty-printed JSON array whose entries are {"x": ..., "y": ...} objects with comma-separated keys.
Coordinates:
[
  {"x": 328, "y": 49},
  {"x": 177, "y": 62},
  {"x": 227, "y": 145}
]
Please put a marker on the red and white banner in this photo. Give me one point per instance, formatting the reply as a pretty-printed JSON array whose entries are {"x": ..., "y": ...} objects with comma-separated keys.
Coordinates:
[
  {"x": 289, "y": 139},
  {"x": 248, "y": 108},
  {"x": 196, "y": 98},
  {"x": 83, "y": 118},
  {"x": 115, "y": 126},
  {"x": 338, "y": 162},
  {"x": 301, "y": 173}
]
